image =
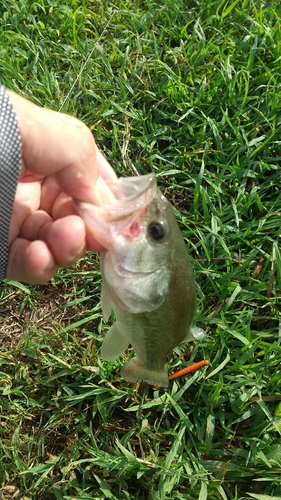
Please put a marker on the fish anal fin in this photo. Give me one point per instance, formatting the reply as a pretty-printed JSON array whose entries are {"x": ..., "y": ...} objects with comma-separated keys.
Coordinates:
[
  {"x": 114, "y": 343},
  {"x": 134, "y": 371},
  {"x": 197, "y": 333},
  {"x": 193, "y": 334}
]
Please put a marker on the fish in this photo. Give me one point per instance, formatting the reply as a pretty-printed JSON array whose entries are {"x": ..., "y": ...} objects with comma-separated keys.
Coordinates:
[{"x": 147, "y": 277}]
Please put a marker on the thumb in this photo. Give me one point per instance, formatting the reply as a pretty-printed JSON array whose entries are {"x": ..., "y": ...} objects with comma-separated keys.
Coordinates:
[{"x": 57, "y": 144}]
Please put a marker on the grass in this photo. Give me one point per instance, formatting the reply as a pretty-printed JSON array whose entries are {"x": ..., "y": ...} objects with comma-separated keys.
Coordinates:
[{"x": 190, "y": 90}]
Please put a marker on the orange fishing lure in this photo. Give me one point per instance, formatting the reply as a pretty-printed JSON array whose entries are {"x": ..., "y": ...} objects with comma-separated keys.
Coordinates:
[{"x": 189, "y": 369}]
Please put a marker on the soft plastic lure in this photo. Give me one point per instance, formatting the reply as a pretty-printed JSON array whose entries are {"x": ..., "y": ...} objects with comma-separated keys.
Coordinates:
[{"x": 188, "y": 369}]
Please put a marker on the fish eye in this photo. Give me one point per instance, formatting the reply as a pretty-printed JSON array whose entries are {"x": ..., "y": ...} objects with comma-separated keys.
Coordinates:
[{"x": 156, "y": 230}]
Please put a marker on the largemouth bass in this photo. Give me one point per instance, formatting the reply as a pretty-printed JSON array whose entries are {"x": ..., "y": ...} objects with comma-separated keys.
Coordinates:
[{"x": 147, "y": 278}]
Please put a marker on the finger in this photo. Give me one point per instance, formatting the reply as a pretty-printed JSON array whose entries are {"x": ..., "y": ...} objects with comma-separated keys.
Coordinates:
[
  {"x": 68, "y": 241},
  {"x": 30, "y": 262},
  {"x": 54, "y": 201},
  {"x": 58, "y": 144},
  {"x": 66, "y": 237},
  {"x": 105, "y": 170},
  {"x": 63, "y": 206},
  {"x": 50, "y": 191},
  {"x": 27, "y": 200},
  {"x": 36, "y": 226}
]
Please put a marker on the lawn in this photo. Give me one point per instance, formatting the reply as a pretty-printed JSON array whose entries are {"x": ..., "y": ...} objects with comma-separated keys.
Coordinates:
[{"x": 190, "y": 91}]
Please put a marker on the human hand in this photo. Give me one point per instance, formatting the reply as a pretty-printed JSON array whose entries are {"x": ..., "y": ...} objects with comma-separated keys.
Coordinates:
[{"x": 60, "y": 162}]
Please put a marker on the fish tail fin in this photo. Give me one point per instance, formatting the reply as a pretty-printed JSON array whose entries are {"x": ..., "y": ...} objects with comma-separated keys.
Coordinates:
[{"x": 134, "y": 371}]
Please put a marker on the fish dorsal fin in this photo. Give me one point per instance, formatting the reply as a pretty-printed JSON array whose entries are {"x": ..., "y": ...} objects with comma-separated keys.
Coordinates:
[{"x": 114, "y": 343}]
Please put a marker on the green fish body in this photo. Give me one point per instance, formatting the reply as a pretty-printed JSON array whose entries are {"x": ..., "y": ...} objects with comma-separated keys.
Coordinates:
[{"x": 147, "y": 278}]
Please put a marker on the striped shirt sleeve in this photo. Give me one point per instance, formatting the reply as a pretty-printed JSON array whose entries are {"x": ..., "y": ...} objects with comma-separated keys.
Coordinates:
[{"x": 10, "y": 164}]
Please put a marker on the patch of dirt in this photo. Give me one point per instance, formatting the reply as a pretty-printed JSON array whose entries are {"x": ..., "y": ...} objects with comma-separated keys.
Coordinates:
[{"x": 19, "y": 312}]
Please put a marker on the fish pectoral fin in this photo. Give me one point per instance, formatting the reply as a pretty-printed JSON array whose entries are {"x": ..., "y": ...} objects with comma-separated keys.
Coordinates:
[
  {"x": 194, "y": 333},
  {"x": 114, "y": 343},
  {"x": 105, "y": 303},
  {"x": 134, "y": 371}
]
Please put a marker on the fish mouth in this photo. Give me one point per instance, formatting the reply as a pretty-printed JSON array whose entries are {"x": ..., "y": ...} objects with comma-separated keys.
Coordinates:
[
  {"x": 131, "y": 187},
  {"x": 132, "y": 194},
  {"x": 131, "y": 197}
]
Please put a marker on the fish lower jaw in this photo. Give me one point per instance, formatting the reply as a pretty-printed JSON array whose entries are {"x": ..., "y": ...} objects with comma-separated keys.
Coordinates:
[
  {"x": 128, "y": 272},
  {"x": 134, "y": 371}
]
